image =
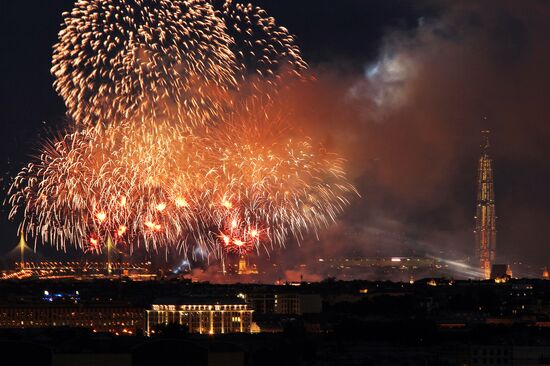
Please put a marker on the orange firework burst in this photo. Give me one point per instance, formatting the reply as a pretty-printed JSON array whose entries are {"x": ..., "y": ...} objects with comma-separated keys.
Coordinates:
[
  {"x": 154, "y": 58},
  {"x": 143, "y": 79},
  {"x": 168, "y": 60},
  {"x": 155, "y": 185}
]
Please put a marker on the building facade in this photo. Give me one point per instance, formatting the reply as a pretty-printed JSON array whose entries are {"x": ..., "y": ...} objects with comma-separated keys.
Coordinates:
[
  {"x": 203, "y": 316},
  {"x": 112, "y": 318},
  {"x": 285, "y": 303}
]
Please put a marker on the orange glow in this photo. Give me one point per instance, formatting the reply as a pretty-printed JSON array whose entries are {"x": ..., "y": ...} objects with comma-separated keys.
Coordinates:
[
  {"x": 254, "y": 233},
  {"x": 238, "y": 242},
  {"x": 234, "y": 224},
  {"x": 122, "y": 230},
  {"x": 161, "y": 207},
  {"x": 227, "y": 204},
  {"x": 153, "y": 225},
  {"x": 181, "y": 202},
  {"x": 226, "y": 239},
  {"x": 94, "y": 241},
  {"x": 101, "y": 216},
  {"x": 123, "y": 200}
]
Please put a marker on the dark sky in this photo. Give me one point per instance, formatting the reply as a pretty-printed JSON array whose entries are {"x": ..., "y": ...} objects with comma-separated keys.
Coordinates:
[{"x": 403, "y": 90}]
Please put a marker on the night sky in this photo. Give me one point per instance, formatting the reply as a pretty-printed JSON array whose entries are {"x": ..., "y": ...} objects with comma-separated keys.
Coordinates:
[{"x": 403, "y": 91}]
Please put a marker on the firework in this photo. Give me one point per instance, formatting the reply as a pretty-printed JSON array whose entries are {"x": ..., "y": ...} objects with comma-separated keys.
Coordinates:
[
  {"x": 266, "y": 53},
  {"x": 174, "y": 144},
  {"x": 272, "y": 182},
  {"x": 248, "y": 185},
  {"x": 165, "y": 60},
  {"x": 126, "y": 182}
]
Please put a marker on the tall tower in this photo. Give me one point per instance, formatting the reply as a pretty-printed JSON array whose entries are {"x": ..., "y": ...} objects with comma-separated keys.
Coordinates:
[{"x": 485, "y": 219}]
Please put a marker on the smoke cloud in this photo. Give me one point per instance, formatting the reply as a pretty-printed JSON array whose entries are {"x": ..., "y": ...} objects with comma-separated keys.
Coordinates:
[{"x": 409, "y": 121}]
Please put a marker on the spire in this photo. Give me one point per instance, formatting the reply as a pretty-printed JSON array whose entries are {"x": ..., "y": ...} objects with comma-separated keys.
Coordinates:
[
  {"x": 109, "y": 248},
  {"x": 485, "y": 219},
  {"x": 485, "y": 145},
  {"x": 22, "y": 245}
]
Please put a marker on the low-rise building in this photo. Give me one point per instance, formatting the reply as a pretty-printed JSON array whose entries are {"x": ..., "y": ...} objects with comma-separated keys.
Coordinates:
[
  {"x": 201, "y": 315},
  {"x": 118, "y": 318},
  {"x": 285, "y": 303}
]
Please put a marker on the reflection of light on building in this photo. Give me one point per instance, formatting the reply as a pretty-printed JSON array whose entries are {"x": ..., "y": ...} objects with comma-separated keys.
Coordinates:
[
  {"x": 200, "y": 315},
  {"x": 485, "y": 219}
]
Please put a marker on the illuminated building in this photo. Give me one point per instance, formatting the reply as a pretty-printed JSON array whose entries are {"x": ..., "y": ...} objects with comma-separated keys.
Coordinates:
[
  {"x": 485, "y": 219},
  {"x": 81, "y": 270},
  {"x": 201, "y": 315},
  {"x": 244, "y": 268},
  {"x": 114, "y": 318},
  {"x": 387, "y": 268},
  {"x": 501, "y": 272}
]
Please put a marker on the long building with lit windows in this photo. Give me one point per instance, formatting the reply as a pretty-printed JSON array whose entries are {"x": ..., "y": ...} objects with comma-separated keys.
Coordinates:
[
  {"x": 116, "y": 318},
  {"x": 200, "y": 315}
]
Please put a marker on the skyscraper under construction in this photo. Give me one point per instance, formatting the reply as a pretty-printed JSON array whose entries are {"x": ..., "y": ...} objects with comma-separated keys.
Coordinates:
[{"x": 485, "y": 219}]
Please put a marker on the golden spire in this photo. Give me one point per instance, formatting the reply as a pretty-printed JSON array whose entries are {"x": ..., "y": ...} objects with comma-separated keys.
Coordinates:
[
  {"x": 22, "y": 245},
  {"x": 109, "y": 247}
]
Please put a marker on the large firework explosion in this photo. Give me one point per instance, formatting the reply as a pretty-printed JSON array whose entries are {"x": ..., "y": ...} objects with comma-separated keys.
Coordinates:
[
  {"x": 174, "y": 144},
  {"x": 248, "y": 184},
  {"x": 178, "y": 60}
]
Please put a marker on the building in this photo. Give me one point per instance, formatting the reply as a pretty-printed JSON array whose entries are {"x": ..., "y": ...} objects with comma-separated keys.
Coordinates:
[
  {"x": 201, "y": 315},
  {"x": 485, "y": 219},
  {"x": 501, "y": 272},
  {"x": 113, "y": 318},
  {"x": 48, "y": 270},
  {"x": 244, "y": 268},
  {"x": 285, "y": 304}
]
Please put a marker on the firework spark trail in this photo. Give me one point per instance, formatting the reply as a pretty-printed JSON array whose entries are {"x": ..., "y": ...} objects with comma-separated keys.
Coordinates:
[
  {"x": 168, "y": 60},
  {"x": 156, "y": 58},
  {"x": 175, "y": 144},
  {"x": 153, "y": 185},
  {"x": 271, "y": 183},
  {"x": 266, "y": 53},
  {"x": 82, "y": 183}
]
